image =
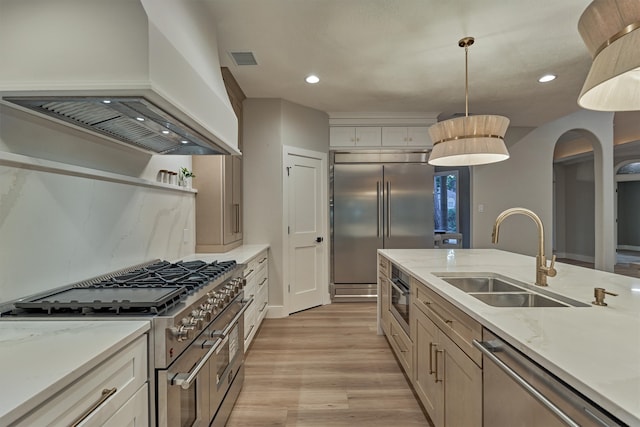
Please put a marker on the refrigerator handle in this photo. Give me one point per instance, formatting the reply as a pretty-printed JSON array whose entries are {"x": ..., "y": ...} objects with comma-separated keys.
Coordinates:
[
  {"x": 378, "y": 208},
  {"x": 388, "y": 209}
]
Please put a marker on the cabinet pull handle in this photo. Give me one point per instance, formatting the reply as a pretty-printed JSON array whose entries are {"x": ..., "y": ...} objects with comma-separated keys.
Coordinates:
[
  {"x": 262, "y": 260},
  {"x": 263, "y": 306},
  {"x": 398, "y": 343},
  {"x": 248, "y": 274},
  {"x": 106, "y": 394},
  {"x": 438, "y": 380},
  {"x": 262, "y": 283},
  {"x": 431, "y": 346},
  {"x": 248, "y": 333}
]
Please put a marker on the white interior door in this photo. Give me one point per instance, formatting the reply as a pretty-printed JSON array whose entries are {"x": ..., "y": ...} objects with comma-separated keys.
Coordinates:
[{"x": 306, "y": 232}]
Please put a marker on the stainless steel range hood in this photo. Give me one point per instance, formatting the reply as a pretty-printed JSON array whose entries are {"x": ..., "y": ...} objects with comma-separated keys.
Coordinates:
[
  {"x": 131, "y": 120},
  {"x": 141, "y": 72}
]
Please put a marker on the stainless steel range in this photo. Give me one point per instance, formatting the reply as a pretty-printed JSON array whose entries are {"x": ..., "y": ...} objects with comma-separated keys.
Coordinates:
[{"x": 197, "y": 328}]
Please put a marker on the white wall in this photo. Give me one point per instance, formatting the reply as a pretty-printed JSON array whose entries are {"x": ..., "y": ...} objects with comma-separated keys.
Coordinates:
[
  {"x": 526, "y": 180},
  {"x": 56, "y": 229},
  {"x": 269, "y": 124}
]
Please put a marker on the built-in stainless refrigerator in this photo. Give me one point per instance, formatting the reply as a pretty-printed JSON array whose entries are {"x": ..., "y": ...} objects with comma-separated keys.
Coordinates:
[{"x": 378, "y": 200}]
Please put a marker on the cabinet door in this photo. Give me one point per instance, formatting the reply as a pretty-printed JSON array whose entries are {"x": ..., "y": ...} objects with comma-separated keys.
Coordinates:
[
  {"x": 425, "y": 344},
  {"x": 368, "y": 136},
  {"x": 340, "y": 136},
  {"x": 463, "y": 386},
  {"x": 384, "y": 303},
  {"x": 394, "y": 136},
  {"x": 419, "y": 137},
  {"x": 232, "y": 199}
]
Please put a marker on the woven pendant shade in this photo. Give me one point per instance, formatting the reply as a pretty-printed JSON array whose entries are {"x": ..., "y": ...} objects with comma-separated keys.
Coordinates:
[
  {"x": 610, "y": 30},
  {"x": 468, "y": 140}
]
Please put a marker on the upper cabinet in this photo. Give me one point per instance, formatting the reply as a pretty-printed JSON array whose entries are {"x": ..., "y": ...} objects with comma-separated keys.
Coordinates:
[
  {"x": 351, "y": 136},
  {"x": 400, "y": 136},
  {"x": 219, "y": 219},
  {"x": 364, "y": 130}
]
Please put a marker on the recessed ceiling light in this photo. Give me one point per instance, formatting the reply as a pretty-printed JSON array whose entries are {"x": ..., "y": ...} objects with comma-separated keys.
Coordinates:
[
  {"x": 184, "y": 141},
  {"x": 107, "y": 101},
  {"x": 312, "y": 79},
  {"x": 166, "y": 132},
  {"x": 547, "y": 78},
  {"x": 140, "y": 119}
]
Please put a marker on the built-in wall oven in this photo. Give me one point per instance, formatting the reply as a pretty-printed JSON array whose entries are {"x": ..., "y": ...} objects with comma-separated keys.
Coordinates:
[{"x": 400, "y": 297}]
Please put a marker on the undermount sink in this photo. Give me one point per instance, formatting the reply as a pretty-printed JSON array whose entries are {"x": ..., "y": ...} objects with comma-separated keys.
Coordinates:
[
  {"x": 521, "y": 299},
  {"x": 482, "y": 284},
  {"x": 500, "y": 291}
]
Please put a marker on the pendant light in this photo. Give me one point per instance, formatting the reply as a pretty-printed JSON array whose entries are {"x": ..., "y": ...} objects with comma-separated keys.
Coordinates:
[
  {"x": 609, "y": 29},
  {"x": 468, "y": 140}
]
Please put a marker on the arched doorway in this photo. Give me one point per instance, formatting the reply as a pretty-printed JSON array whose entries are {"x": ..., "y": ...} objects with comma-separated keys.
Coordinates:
[{"x": 574, "y": 198}]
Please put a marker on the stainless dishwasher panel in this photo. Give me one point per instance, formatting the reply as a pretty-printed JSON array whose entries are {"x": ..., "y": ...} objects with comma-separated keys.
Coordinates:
[{"x": 518, "y": 392}]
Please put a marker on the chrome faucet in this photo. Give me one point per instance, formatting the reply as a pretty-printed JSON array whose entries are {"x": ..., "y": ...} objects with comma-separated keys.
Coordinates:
[{"x": 542, "y": 271}]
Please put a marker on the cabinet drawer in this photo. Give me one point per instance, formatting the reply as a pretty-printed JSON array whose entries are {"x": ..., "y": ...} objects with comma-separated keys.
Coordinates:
[
  {"x": 134, "y": 413},
  {"x": 383, "y": 265},
  {"x": 261, "y": 303},
  {"x": 402, "y": 345},
  {"x": 458, "y": 326},
  {"x": 124, "y": 373}
]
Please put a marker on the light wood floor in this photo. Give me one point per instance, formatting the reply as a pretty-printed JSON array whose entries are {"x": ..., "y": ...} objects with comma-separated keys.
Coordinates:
[{"x": 324, "y": 367}]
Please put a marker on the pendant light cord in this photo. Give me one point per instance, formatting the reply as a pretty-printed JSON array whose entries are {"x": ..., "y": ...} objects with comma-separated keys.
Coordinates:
[{"x": 466, "y": 80}]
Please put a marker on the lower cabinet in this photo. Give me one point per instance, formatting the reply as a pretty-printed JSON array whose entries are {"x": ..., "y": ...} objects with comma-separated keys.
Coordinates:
[
  {"x": 115, "y": 393},
  {"x": 257, "y": 287},
  {"x": 446, "y": 380},
  {"x": 437, "y": 355}
]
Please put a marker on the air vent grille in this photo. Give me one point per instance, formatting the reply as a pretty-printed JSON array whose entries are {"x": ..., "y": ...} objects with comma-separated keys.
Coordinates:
[{"x": 243, "y": 58}]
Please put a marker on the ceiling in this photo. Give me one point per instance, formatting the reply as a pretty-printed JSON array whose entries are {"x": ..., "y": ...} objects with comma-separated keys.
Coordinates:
[{"x": 403, "y": 55}]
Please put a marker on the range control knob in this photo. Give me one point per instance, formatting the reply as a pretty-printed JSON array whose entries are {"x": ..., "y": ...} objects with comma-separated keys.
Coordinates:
[
  {"x": 182, "y": 332},
  {"x": 242, "y": 282},
  {"x": 201, "y": 314},
  {"x": 192, "y": 322},
  {"x": 220, "y": 301}
]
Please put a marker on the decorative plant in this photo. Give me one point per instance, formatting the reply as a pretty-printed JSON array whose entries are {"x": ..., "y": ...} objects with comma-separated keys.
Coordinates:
[{"x": 186, "y": 173}]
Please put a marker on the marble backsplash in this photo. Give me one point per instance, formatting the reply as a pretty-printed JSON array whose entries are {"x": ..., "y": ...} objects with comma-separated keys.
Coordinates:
[{"x": 58, "y": 228}]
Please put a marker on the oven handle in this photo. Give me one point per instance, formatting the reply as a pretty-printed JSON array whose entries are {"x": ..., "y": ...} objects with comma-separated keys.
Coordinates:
[
  {"x": 482, "y": 346},
  {"x": 185, "y": 383},
  {"x": 247, "y": 303},
  {"x": 398, "y": 288}
]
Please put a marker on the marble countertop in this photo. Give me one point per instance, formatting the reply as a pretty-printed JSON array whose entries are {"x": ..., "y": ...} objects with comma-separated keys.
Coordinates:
[
  {"x": 594, "y": 349},
  {"x": 241, "y": 254},
  {"x": 38, "y": 358}
]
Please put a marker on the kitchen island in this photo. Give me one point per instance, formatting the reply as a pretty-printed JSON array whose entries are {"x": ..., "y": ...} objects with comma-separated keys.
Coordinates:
[{"x": 594, "y": 349}]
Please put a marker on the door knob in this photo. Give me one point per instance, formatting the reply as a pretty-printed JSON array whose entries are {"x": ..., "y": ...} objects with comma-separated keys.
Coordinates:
[{"x": 319, "y": 239}]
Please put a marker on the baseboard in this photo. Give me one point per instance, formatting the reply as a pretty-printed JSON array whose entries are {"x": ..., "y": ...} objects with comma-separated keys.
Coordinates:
[
  {"x": 629, "y": 248},
  {"x": 276, "y": 312},
  {"x": 577, "y": 257}
]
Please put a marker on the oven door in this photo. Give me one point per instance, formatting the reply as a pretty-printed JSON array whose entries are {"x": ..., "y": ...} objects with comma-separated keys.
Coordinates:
[
  {"x": 226, "y": 372},
  {"x": 400, "y": 303},
  {"x": 183, "y": 388}
]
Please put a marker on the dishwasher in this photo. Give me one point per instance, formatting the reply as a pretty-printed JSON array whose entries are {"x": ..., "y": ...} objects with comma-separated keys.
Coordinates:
[{"x": 520, "y": 393}]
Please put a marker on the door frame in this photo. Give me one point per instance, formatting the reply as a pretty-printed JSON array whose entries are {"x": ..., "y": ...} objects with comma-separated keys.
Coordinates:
[{"x": 324, "y": 215}]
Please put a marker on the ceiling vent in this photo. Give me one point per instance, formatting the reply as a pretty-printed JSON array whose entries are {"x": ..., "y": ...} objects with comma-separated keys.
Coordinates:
[{"x": 243, "y": 58}]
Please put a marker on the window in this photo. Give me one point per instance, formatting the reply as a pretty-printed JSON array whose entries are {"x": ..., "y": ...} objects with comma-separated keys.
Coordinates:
[{"x": 445, "y": 200}]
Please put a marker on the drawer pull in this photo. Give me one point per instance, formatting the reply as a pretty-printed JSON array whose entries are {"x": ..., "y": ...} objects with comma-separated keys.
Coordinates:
[
  {"x": 398, "y": 343},
  {"x": 248, "y": 333},
  {"x": 106, "y": 394},
  {"x": 431, "y": 346},
  {"x": 438, "y": 380},
  {"x": 262, "y": 283},
  {"x": 262, "y": 260},
  {"x": 263, "y": 306},
  {"x": 248, "y": 274}
]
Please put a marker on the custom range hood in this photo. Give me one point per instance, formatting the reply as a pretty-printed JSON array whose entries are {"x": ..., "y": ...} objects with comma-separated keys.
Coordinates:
[{"x": 140, "y": 72}]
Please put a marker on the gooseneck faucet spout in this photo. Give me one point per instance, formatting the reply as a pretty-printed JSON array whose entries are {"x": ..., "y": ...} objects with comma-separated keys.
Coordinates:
[{"x": 542, "y": 271}]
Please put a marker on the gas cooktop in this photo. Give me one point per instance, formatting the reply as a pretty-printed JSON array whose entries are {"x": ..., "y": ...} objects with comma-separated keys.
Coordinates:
[{"x": 150, "y": 289}]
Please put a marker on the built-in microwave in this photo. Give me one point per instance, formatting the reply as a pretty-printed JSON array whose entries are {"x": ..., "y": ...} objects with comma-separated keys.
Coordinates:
[{"x": 400, "y": 297}]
